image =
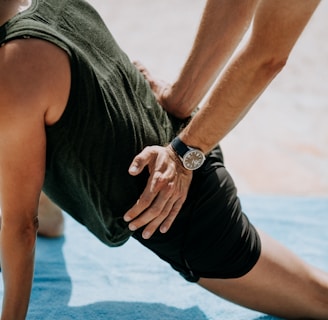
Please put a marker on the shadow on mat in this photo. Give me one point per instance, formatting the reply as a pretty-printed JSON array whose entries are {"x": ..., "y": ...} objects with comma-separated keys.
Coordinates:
[
  {"x": 285, "y": 218},
  {"x": 52, "y": 290}
]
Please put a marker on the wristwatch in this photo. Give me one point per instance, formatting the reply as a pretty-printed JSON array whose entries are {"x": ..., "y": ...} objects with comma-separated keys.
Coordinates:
[{"x": 191, "y": 158}]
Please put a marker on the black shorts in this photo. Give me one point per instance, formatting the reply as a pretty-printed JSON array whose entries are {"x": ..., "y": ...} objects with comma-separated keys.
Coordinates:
[{"x": 211, "y": 236}]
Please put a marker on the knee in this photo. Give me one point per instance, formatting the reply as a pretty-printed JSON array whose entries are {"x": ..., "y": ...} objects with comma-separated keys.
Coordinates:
[
  {"x": 51, "y": 219},
  {"x": 272, "y": 65}
]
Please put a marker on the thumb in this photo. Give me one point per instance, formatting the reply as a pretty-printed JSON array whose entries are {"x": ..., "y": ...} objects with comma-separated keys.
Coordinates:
[
  {"x": 138, "y": 163},
  {"x": 134, "y": 168}
]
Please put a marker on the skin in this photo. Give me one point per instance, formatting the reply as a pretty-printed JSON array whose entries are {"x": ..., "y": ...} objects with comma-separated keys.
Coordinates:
[
  {"x": 34, "y": 88},
  {"x": 50, "y": 217},
  {"x": 222, "y": 26},
  {"x": 280, "y": 283}
]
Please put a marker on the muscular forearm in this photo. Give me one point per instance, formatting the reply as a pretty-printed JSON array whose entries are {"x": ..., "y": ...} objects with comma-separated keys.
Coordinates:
[
  {"x": 222, "y": 26},
  {"x": 277, "y": 26},
  {"x": 231, "y": 98},
  {"x": 17, "y": 257}
]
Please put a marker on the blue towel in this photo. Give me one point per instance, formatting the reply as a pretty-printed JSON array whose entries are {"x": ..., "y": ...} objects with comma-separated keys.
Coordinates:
[{"x": 77, "y": 277}]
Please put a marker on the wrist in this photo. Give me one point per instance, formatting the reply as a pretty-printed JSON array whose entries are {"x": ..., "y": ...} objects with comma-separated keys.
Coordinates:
[
  {"x": 190, "y": 157},
  {"x": 178, "y": 102}
]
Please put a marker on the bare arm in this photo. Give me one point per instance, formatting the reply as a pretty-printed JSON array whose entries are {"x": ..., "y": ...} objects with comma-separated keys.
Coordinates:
[
  {"x": 27, "y": 86},
  {"x": 19, "y": 188},
  {"x": 222, "y": 26},
  {"x": 277, "y": 26}
]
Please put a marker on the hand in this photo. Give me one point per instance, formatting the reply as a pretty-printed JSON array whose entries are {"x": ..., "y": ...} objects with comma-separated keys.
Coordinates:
[
  {"x": 165, "y": 192},
  {"x": 163, "y": 92}
]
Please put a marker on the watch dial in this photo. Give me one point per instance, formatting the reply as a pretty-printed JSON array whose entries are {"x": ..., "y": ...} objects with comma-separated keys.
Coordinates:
[{"x": 193, "y": 159}]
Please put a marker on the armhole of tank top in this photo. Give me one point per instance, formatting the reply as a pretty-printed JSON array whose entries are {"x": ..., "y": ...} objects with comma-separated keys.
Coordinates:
[{"x": 28, "y": 7}]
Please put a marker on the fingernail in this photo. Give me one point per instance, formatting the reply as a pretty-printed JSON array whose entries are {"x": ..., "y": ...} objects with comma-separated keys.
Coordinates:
[
  {"x": 146, "y": 235},
  {"x": 132, "y": 227},
  {"x": 163, "y": 229},
  {"x": 133, "y": 169}
]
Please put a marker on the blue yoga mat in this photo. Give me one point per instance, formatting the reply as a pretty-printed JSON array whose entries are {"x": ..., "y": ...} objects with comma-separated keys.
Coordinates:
[{"x": 77, "y": 277}]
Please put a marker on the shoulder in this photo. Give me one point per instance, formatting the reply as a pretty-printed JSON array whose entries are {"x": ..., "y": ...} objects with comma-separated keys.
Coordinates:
[
  {"x": 27, "y": 58},
  {"x": 33, "y": 72}
]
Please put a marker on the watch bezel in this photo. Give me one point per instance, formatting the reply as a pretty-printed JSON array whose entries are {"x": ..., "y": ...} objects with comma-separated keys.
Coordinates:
[
  {"x": 183, "y": 151},
  {"x": 200, "y": 161}
]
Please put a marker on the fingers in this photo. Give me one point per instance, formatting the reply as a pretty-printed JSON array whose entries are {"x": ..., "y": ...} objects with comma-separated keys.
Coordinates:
[
  {"x": 165, "y": 192},
  {"x": 144, "y": 71},
  {"x": 156, "y": 194},
  {"x": 160, "y": 88},
  {"x": 158, "y": 210},
  {"x": 166, "y": 225},
  {"x": 155, "y": 214},
  {"x": 160, "y": 214},
  {"x": 154, "y": 84},
  {"x": 139, "y": 162},
  {"x": 162, "y": 171}
]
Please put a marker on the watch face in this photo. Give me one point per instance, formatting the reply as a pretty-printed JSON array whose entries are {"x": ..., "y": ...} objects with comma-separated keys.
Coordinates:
[{"x": 193, "y": 159}]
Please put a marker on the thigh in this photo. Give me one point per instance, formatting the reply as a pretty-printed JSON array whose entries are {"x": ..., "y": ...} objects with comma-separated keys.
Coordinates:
[
  {"x": 280, "y": 284},
  {"x": 211, "y": 236}
]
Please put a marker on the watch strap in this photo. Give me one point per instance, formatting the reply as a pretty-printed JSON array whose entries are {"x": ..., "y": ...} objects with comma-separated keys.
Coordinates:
[{"x": 179, "y": 147}]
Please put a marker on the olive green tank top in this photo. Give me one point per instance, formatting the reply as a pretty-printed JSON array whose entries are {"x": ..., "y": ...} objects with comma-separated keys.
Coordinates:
[{"x": 110, "y": 117}]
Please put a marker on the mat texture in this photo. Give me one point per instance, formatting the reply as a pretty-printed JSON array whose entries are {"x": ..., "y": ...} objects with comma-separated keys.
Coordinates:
[{"x": 77, "y": 277}]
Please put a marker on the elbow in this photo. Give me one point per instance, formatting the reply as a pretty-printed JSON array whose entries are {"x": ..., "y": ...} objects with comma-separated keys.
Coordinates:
[
  {"x": 268, "y": 56},
  {"x": 28, "y": 238},
  {"x": 29, "y": 232},
  {"x": 264, "y": 61},
  {"x": 29, "y": 228},
  {"x": 23, "y": 234},
  {"x": 273, "y": 65},
  {"x": 26, "y": 235}
]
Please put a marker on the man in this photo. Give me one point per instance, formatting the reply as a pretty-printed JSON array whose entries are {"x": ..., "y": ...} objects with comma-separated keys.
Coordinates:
[{"x": 74, "y": 114}]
